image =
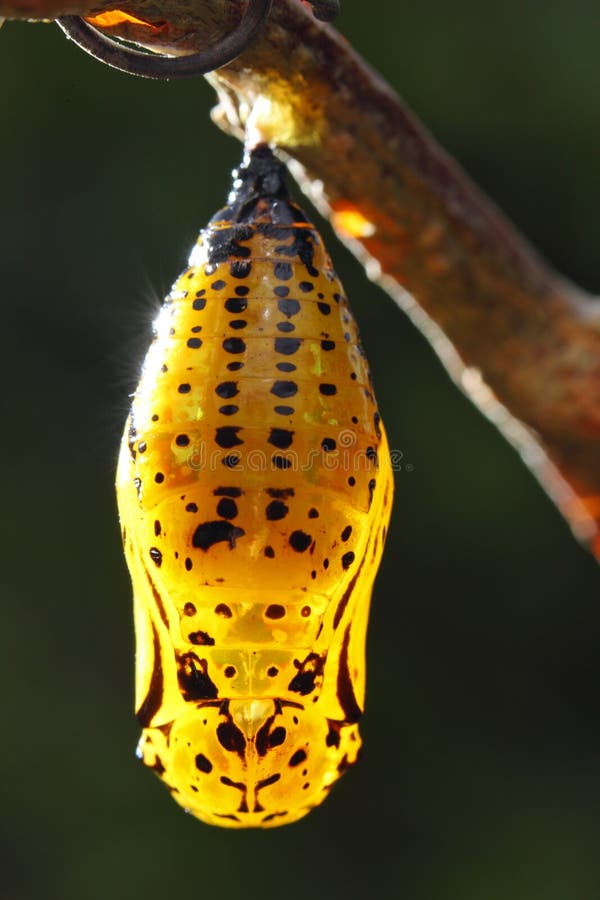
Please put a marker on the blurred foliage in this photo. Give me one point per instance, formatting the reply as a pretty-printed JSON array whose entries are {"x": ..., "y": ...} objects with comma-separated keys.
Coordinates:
[{"x": 481, "y": 771}]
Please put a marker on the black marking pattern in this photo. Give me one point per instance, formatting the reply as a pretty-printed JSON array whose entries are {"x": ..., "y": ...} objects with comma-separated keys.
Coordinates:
[{"x": 153, "y": 699}]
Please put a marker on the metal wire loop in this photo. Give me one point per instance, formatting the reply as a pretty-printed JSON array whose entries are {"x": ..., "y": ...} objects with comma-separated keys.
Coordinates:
[{"x": 150, "y": 65}]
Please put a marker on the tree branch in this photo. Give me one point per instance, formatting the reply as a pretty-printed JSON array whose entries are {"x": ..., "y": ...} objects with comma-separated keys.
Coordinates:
[{"x": 522, "y": 342}]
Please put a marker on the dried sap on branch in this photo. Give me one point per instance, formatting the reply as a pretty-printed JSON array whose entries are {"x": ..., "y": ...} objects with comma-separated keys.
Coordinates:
[{"x": 254, "y": 489}]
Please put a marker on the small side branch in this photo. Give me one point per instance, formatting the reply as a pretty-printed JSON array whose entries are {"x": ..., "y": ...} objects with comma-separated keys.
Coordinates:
[{"x": 521, "y": 341}]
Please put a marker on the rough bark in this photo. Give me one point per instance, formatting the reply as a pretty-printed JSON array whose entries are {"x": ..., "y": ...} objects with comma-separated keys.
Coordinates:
[{"x": 520, "y": 340}]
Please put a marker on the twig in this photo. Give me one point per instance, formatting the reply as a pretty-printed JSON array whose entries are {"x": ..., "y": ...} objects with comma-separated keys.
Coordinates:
[{"x": 522, "y": 342}]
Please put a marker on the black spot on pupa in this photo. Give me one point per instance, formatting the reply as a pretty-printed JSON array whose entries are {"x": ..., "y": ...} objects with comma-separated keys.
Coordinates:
[
  {"x": 306, "y": 286},
  {"x": 280, "y": 462},
  {"x": 238, "y": 324},
  {"x": 280, "y": 493},
  {"x": 191, "y": 507},
  {"x": 346, "y": 533},
  {"x": 275, "y": 611},
  {"x": 201, "y": 638},
  {"x": 281, "y": 290},
  {"x": 231, "y": 738},
  {"x": 269, "y": 552},
  {"x": 300, "y": 541},
  {"x": 235, "y": 366},
  {"x": 288, "y": 307},
  {"x": 240, "y": 269},
  {"x": 347, "y": 559},
  {"x": 276, "y": 510},
  {"x": 277, "y": 736},
  {"x": 203, "y": 764},
  {"x": 199, "y": 303},
  {"x": 228, "y": 492},
  {"x": 189, "y": 609},
  {"x": 284, "y": 410},
  {"x": 286, "y": 345},
  {"x": 324, "y": 308},
  {"x": 218, "y": 285},
  {"x": 282, "y": 271},
  {"x": 157, "y": 527},
  {"x": 194, "y": 680},
  {"x": 241, "y": 290},
  {"x": 230, "y": 672},
  {"x": 328, "y": 345},
  {"x": 284, "y": 389},
  {"x": 313, "y": 513},
  {"x": 285, "y": 367},
  {"x": 298, "y": 757},
  {"x": 159, "y": 478},
  {"x": 194, "y": 343},
  {"x": 234, "y": 345},
  {"x": 227, "y": 437},
  {"x": 182, "y": 440},
  {"x": 285, "y": 326},
  {"x": 230, "y": 409},
  {"x": 236, "y": 305},
  {"x": 272, "y": 671},
  {"x": 184, "y": 388},
  {"x": 328, "y": 445},
  {"x": 227, "y": 508},
  {"x": 210, "y": 533},
  {"x": 188, "y": 563},
  {"x": 221, "y": 609},
  {"x": 226, "y": 390},
  {"x": 328, "y": 390},
  {"x": 280, "y": 438},
  {"x": 156, "y": 556},
  {"x": 304, "y": 682}
]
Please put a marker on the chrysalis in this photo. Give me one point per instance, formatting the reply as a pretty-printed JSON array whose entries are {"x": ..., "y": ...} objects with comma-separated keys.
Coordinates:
[{"x": 254, "y": 489}]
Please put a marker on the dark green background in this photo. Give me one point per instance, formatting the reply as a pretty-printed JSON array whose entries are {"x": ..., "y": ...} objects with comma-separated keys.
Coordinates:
[{"x": 481, "y": 773}]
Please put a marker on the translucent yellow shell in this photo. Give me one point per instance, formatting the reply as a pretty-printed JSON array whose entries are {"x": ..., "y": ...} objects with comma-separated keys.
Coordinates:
[{"x": 254, "y": 489}]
